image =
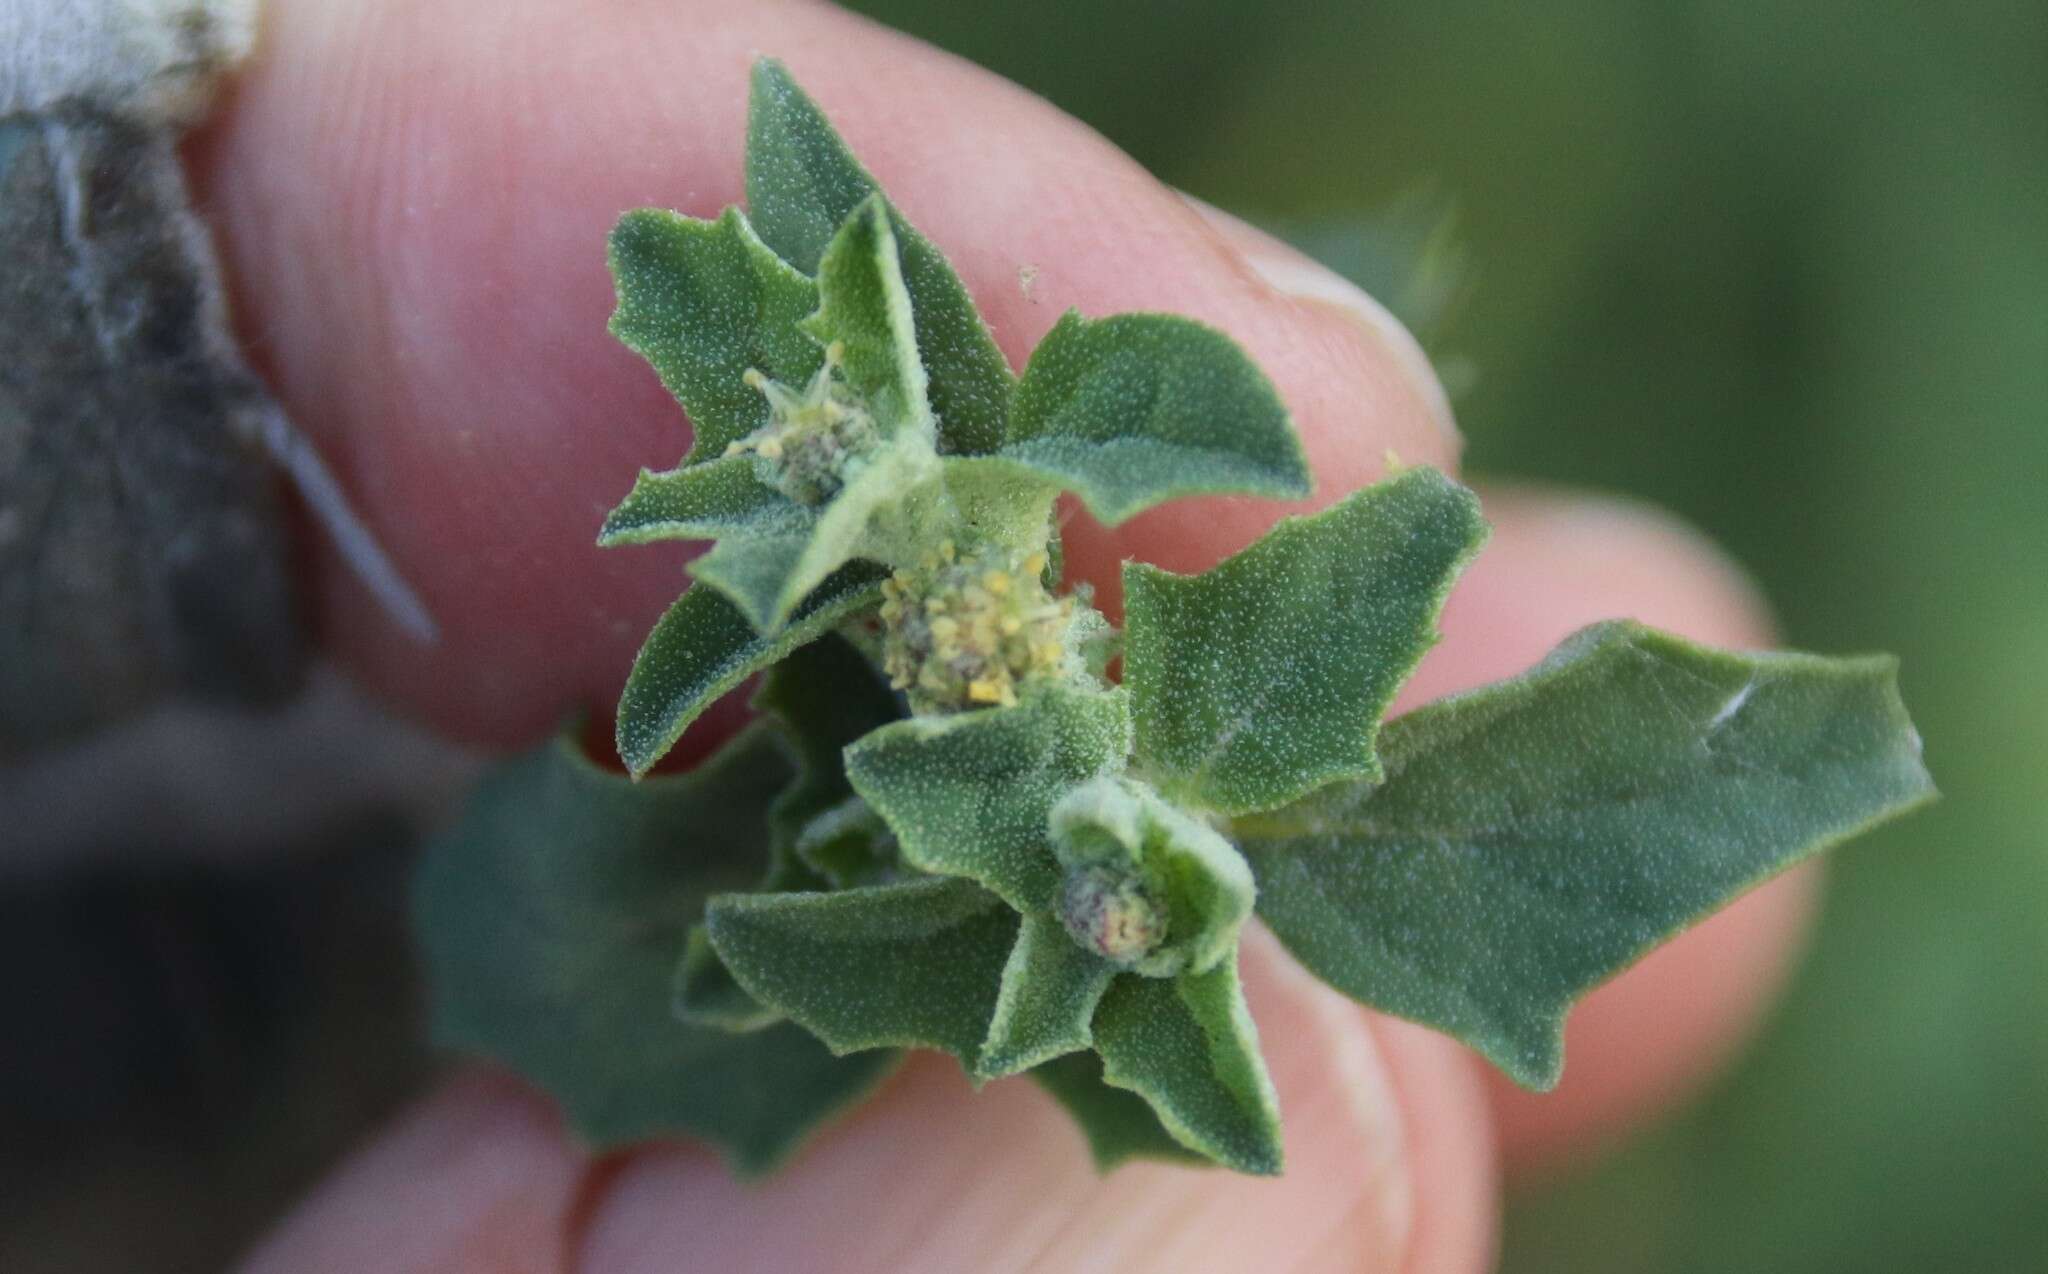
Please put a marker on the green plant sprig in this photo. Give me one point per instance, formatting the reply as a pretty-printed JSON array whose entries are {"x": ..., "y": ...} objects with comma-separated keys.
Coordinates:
[{"x": 952, "y": 831}]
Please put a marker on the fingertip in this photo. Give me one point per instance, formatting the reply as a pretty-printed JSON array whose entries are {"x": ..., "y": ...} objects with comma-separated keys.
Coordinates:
[
  {"x": 415, "y": 232},
  {"x": 934, "y": 1177},
  {"x": 1450, "y": 1144},
  {"x": 476, "y": 1178}
]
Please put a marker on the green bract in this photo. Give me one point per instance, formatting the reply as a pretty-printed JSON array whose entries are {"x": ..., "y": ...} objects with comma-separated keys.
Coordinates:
[{"x": 952, "y": 831}]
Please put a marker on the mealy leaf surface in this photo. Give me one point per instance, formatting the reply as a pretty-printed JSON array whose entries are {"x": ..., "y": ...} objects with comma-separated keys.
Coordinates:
[
  {"x": 1264, "y": 678},
  {"x": 551, "y": 919},
  {"x": 1534, "y": 837}
]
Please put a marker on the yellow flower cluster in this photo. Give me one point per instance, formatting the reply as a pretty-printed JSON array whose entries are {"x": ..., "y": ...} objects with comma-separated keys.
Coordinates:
[
  {"x": 812, "y": 439},
  {"x": 966, "y": 632}
]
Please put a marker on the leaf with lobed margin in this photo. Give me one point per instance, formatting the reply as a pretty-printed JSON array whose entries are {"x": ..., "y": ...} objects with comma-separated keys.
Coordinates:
[
  {"x": 1049, "y": 991},
  {"x": 702, "y": 302},
  {"x": 1535, "y": 837},
  {"x": 706, "y": 993},
  {"x": 1118, "y": 1125},
  {"x": 917, "y": 964},
  {"x": 706, "y": 501},
  {"x": 550, "y": 918},
  {"x": 1264, "y": 678},
  {"x": 969, "y": 795},
  {"x": 802, "y": 185},
  {"x": 703, "y": 647},
  {"x": 1133, "y": 410},
  {"x": 864, "y": 306}
]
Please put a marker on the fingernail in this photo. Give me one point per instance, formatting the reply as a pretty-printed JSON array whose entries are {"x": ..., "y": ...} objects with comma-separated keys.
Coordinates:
[{"x": 1296, "y": 276}]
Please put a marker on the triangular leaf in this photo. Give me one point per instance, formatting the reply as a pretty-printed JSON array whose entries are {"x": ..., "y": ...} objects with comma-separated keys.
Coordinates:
[
  {"x": 551, "y": 918},
  {"x": 702, "y": 648},
  {"x": 1187, "y": 1045},
  {"x": 1535, "y": 837},
  {"x": 703, "y": 502},
  {"x": 704, "y": 301},
  {"x": 1134, "y": 410},
  {"x": 1265, "y": 677},
  {"x": 917, "y": 964},
  {"x": 802, "y": 185},
  {"x": 969, "y": 795},
  {"x": 1118, "y": 1124},
  {"x": 864, "y": 306},
  {"x": 1050, "y": 988}
]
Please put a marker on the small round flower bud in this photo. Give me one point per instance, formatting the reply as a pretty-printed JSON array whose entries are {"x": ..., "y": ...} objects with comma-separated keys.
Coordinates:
[{"x": 1112, "y": 913}]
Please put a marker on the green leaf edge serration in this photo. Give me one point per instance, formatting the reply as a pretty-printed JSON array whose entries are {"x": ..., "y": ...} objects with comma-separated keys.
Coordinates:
[{"x": 995, "y": 886}]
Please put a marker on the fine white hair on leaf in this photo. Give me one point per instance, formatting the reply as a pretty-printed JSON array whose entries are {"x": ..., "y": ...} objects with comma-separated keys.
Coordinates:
[{"x": 152, "y": 61}]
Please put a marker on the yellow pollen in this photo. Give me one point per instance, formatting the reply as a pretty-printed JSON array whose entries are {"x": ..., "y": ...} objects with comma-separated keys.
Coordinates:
[{"x": 996, "y": 582}]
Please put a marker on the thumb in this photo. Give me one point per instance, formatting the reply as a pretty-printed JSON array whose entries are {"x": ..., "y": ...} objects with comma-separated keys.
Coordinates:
[{"x": 413, "y": 201}]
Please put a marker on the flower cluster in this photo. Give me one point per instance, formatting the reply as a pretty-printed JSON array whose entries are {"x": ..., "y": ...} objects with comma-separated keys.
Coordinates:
[
  {"x": 967, "y": 631},
  {"x": 813, "y": 440}
]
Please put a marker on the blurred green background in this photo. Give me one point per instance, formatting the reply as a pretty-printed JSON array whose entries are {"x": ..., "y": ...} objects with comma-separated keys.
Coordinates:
[
  {"x": 1783, "y": 268},
  {"x": 1780, "y": 266}
]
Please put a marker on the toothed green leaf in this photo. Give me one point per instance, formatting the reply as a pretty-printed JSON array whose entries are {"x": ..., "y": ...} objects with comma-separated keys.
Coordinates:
[
  {"x": 969, "y": 795},
  {"x": 703, "y": 301},
  {"x": 1118, "y": 1125},
  {"x": 703, "y": 502},
  {"x": 864, "y": 306},
  {"x": 703, "y": 647},
  {"x": 551, "y": 918},
  {"x": 1535, "y": 837},
  {"x": 1265, "y": 678},
  {"x": 917, "y": 964},
  {"x": 1137, "y": 409},
  {"x": 1187, "y": 1046},
  {"x": 1049, "y": 992},
  {"x": 802, "y": 185}
]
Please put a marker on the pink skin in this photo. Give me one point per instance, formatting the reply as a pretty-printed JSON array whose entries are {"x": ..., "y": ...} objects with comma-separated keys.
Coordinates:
[{"x": 411, "y": 199}]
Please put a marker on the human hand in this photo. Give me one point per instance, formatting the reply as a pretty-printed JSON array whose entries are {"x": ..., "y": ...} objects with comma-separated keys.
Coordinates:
[{"x": 412, "y": 200}]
